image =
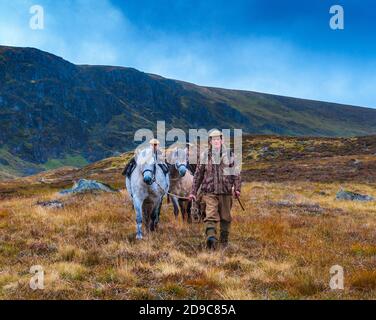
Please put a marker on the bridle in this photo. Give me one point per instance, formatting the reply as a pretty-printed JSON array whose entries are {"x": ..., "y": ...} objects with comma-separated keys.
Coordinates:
[
  {"x": 178, "y": 166},
  {"x": 152, "y": 173}
]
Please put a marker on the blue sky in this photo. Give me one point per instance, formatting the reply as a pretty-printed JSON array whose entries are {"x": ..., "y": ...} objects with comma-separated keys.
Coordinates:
[{"x": 274, "y": 46}]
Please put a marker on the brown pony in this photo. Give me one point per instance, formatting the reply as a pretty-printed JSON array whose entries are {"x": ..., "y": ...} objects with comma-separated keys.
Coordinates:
[{"x": 181, "y": 180}]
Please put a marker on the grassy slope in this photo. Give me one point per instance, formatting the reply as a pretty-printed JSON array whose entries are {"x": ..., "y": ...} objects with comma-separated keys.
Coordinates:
[
  {"x": 285, "y": 159},
  {"x": 298, "y": 116},
  {"x": 74, "y": 161},
  {"x": 88, "y": 249},
  {"x": 12, "y": 167}
]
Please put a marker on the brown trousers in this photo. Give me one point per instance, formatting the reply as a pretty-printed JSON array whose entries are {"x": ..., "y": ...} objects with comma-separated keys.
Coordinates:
[{"x": 218, "y": 207}]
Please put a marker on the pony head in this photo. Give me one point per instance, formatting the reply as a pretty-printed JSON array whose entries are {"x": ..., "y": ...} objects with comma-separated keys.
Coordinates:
[
  {"x": 146, "y": 161},
  {"x": 179, "y": 159}
]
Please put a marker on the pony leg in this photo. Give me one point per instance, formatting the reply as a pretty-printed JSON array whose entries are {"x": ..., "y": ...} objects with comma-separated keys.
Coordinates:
[
  {"x": 158, "y": 212},
  {"x": 182, "y": 209},
  {"x": 189, "y": 207},
  {"x": 138, "y": 208},
  {"x": 155, "y": 216},
  {"x": 153, "y": 220},
  {"x": 175, "y": 203},
  {"x": 147, "y": 217}
]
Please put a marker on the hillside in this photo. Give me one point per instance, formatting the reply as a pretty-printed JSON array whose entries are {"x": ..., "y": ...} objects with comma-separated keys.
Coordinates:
[
  {"x": 265, "y": 158},
  {"x": 54, "y": 113}
]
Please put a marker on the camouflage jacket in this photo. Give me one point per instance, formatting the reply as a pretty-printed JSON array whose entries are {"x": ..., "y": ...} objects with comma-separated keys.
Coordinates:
[{"x": 212, "y": 178}]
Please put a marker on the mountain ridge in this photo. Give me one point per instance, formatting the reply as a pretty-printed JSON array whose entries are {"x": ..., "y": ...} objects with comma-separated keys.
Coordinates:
[{"x": 51, "y": 109}]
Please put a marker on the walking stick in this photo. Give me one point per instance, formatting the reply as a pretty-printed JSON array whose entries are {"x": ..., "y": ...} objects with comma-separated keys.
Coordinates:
[{"x": 241, "y": 205}]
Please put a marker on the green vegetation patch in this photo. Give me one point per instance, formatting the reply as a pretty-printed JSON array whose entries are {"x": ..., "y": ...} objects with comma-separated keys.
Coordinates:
[{"x": 69, "y": 160}]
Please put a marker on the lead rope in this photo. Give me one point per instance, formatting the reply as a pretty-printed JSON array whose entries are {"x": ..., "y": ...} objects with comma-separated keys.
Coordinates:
[
  {"x": 170, "y": 194},
  {"x": 195, "y": 211}
]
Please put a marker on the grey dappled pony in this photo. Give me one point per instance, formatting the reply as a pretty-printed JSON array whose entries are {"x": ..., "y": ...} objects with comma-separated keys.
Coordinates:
[{"x": 147, "y": 185}]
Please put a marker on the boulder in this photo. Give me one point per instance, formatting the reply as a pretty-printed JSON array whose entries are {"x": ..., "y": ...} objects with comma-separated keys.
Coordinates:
[
  {"x": 303, "y": 207},
  {"x": 352, "y": 196},
  {"x": 55, "y": 204},
  {"x": 84, "y": 185}
]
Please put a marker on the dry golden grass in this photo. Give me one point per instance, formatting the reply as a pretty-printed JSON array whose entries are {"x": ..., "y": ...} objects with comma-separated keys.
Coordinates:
[{"x": 279, "y": 249}]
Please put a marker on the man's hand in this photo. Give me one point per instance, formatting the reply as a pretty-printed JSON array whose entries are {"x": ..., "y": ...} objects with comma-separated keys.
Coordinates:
[
  {"x": 192, "y": 197},
  {"x": 237, "y": 194}
]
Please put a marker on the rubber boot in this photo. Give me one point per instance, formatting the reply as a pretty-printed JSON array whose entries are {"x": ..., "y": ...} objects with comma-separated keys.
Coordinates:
[
  {"x": 211, "y": 239},
  {"x": 224, "y": 233}
]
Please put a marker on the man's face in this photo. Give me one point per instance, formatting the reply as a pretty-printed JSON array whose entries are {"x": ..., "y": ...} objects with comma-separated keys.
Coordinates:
[
  {"x": 155, "y": 147},
  {"x": 217, "y": 143}
]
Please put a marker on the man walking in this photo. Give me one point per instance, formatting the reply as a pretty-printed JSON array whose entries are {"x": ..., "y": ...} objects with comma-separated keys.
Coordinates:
[{"x": 217, "y": 188}]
